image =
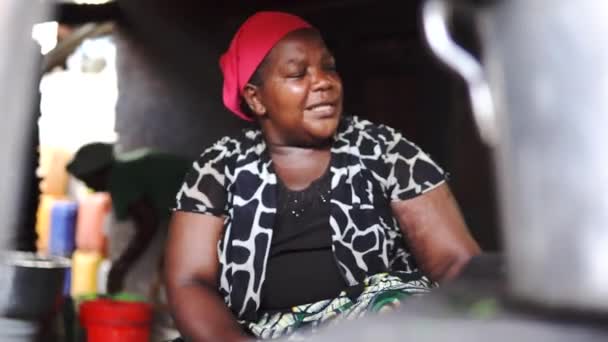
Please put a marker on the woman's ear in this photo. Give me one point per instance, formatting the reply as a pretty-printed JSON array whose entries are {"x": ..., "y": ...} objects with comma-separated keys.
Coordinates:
[{"x": 253, "y": 100}]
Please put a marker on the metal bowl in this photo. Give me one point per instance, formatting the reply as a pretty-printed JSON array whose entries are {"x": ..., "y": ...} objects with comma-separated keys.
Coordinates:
[{"x": 31, "y": 285}]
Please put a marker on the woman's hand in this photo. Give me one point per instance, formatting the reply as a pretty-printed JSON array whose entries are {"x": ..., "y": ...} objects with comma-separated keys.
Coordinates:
[
  {"x": 436, "y": 233},
  {"x": 191, "y": 269}
]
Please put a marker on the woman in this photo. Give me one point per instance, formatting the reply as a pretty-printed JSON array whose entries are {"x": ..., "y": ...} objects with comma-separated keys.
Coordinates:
[
  {"x": 142, "y": 184},
  {"x": 303, "y": 220}
]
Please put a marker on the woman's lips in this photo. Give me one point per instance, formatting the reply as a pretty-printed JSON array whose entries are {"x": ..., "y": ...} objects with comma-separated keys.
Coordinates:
[{"x": 322, "y": 110}]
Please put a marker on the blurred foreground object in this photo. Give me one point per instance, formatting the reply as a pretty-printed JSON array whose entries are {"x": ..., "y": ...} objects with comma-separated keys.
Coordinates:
[
  {"x": 539, "y": 96},
  {"x": 472, "y": 308},
  {"x": 18, "y": 70}
]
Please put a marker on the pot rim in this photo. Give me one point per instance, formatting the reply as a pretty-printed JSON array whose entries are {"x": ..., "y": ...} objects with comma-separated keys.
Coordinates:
[{"x": 33, "y": 260}]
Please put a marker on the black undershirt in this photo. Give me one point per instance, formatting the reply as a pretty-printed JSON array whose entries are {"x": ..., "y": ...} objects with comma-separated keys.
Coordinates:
[{"x": 301, "y": 268}]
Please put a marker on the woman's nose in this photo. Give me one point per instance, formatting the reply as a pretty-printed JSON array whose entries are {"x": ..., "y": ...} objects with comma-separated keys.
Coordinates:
[{"x": 323, "y": 80}]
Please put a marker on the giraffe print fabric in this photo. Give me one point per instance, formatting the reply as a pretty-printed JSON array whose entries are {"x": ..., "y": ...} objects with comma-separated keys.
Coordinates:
[{"x": 371, "y": 165}]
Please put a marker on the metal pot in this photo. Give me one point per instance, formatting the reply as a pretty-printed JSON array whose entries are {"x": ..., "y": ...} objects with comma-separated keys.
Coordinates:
[
  {"x": 540, "y": 96},
  {"x": 31, "y": 286}
]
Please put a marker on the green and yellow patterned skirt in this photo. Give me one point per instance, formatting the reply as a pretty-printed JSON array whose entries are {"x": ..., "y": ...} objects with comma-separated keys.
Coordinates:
[{"x": 378, "y": 293}]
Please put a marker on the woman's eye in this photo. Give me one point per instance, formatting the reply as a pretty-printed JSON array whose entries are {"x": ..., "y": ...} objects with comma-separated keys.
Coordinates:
[{"x": 297, "y": 74}]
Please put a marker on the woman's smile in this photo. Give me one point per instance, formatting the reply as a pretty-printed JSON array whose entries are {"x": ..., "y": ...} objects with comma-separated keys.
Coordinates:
[{"x": 323, "y": 110}]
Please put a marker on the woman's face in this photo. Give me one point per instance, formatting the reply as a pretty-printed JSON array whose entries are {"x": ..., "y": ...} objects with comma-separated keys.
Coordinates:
[{"x": 299, "y": 102}]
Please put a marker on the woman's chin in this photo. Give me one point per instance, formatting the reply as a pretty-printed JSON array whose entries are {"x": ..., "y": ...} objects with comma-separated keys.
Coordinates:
[{"x": 324, "y": 129}]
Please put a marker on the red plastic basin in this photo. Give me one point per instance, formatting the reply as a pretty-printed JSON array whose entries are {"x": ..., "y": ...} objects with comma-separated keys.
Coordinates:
[{"x": 108, "y": 320}]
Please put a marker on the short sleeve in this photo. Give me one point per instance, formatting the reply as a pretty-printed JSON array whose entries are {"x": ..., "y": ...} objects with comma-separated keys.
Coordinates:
[
  {"x": 203, "y": 190},
  {"x": 412, "y": 171}
]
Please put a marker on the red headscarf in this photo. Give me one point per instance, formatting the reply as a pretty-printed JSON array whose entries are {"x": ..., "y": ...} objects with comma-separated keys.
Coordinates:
[{"x": 251, "y": 43}]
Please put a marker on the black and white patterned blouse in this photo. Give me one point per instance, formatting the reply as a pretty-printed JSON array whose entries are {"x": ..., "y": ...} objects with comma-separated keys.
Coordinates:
[{"x": 370, "y": 166}]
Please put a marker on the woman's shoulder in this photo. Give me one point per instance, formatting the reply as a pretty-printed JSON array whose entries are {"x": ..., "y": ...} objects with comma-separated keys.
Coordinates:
[
  {"x": 233, "y": 145},
  {"x": 229, "y": 149},
  {"x": 363, "y": 129},
  {"x": 374, "y": 139}
]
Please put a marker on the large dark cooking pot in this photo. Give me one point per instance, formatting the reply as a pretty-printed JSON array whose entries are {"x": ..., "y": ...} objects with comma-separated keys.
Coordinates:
[{"x": 31, "y": 286}]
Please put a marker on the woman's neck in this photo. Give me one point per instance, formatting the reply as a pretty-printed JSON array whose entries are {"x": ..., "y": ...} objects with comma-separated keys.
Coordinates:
[
  {"x": 297, "y": 167},
  {"x": 282, "y": 142},
  {"x": 282, "y": 150}
]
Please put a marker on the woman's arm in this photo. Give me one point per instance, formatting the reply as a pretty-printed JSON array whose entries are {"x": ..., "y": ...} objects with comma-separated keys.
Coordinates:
[
  {"x": 191, "y": 271},
  {"x": 436, "y": 233}
]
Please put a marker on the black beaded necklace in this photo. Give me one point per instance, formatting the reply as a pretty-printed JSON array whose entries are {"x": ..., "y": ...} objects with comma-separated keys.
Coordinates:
[{"x": 297, "y": 202}]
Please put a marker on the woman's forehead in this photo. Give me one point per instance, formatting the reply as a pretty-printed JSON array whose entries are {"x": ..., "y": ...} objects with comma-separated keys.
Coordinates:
[{"x": 299, "y": 45}]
